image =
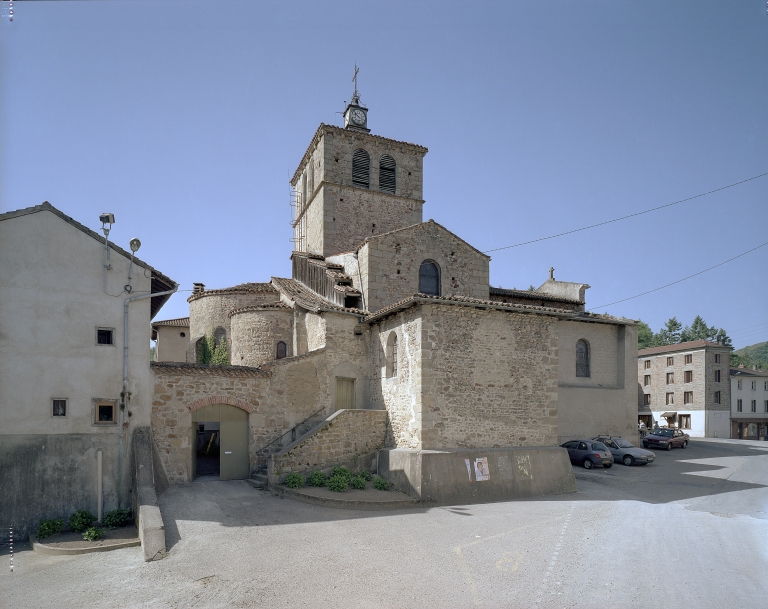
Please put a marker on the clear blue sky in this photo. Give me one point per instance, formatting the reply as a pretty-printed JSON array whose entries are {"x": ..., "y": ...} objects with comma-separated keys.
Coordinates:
[{"x": 186, "y": 119}]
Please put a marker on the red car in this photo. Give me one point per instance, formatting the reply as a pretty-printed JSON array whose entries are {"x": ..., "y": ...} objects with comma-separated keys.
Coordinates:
[{"x": 666, "y": 438}]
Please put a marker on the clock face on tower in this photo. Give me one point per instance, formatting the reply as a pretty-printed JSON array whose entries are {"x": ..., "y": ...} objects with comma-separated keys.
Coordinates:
[{"x": 358, "y": 116}]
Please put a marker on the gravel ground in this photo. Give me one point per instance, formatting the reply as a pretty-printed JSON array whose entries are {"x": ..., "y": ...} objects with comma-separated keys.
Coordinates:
[{"x": 688, "y": 530}]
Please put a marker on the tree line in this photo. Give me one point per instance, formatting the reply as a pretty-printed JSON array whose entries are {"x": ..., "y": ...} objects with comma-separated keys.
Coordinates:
[{"x": 673, "y": 332}]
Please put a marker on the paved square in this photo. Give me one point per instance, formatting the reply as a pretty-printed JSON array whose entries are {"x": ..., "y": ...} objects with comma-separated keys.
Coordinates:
[{"x": 691, "y": 527}]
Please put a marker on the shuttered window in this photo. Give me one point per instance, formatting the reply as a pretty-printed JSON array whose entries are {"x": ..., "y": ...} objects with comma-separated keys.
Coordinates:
[
  {"x": 429, "y": 278},
  {"x": 582, "y": 358},
  {"x": 387, "y": 174},
  {"x": 361, "y": 168}
]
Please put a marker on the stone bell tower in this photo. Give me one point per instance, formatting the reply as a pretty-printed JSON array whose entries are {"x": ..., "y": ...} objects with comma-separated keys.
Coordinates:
[{"x": 352, "y": 184}]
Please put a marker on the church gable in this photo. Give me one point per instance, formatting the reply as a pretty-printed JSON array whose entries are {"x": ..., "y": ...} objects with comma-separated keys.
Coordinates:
[{"x": 426, "y": 258}]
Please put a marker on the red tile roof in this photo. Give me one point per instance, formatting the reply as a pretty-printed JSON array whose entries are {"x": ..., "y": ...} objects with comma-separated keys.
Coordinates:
[{"x": 693, "y": 344}]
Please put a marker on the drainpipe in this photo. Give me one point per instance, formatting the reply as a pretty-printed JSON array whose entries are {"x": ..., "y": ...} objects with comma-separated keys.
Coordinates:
[
  {"x": 99, "y": 494},
  {"x": 125, "y": 374}
]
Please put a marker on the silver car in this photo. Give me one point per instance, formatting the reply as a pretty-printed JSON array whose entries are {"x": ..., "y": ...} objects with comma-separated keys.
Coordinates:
[{"x": 625, "y": 452}]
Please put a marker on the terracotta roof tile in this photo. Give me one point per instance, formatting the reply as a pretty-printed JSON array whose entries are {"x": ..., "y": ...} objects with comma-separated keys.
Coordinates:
[
  {"x": 205, "y": 369},
  {"x": 694, "y": 344},
  {"x": 307, "y": 299},
  {"x": 243, "y": 288},
  {"x": 180, "y": 322},
  {"x": 531, "y": 295},
  {"x": 259, "y": 307}
]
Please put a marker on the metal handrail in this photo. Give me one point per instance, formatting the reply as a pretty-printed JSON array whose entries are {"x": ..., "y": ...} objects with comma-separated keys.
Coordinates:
[{"x": 291, "y": 431}]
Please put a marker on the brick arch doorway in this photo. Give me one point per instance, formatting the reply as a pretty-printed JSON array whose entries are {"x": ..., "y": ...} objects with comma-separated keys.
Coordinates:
[{"x": 220, "y": 446}]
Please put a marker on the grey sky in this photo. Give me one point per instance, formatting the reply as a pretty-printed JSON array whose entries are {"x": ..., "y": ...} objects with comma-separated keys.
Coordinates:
[{"x": 186, "y": 119}]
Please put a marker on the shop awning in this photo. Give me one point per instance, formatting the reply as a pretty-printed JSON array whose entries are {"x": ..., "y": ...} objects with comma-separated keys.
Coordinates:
[{"x": 667, "y": 415}]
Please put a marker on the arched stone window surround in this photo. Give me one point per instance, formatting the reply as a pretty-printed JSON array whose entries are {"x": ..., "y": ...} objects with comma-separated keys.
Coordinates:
[
  {"x": 582, "y": 358},
  {"x": 361, "y": 168},
  {"x": 221, "y": 399},
  {"x": 387, "y": 174},
  {"x": 281, "y": 350},
  {"x": 429, "y": 277},
  {"x": 391, "y": 355}
]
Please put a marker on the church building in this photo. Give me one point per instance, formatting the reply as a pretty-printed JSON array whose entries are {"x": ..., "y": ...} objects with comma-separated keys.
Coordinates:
[{"x": 388, "y": 348}]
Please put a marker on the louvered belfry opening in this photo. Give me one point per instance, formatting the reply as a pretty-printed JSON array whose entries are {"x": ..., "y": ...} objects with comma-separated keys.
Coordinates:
[
  {"x": 361, "y": 168},
  {"x": 387, "y": 174}
]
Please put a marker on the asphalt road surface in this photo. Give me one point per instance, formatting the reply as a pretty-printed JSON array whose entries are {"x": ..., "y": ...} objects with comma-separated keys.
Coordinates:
[{"x": 690, "y": 530}]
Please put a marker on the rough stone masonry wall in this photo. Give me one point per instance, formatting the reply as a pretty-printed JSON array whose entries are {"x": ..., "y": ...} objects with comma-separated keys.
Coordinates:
[
  {"x": 212, "y": 311},
  {"x": 255, "y": 335},
  {"x": 390, "y": 265},
  {"x": 401, "y": 394},
  {"x": 489, "y": 378},
  {"x": 346, "y": 437}
]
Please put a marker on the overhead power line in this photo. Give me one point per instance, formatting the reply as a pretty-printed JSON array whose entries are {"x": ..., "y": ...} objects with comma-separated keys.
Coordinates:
[
  {"x": 640, "y": 213},
  {"x": 680, "y": 280}
]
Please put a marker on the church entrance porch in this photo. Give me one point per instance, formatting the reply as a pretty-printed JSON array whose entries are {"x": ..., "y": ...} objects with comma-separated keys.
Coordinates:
[{"x": 221, "y": 442}]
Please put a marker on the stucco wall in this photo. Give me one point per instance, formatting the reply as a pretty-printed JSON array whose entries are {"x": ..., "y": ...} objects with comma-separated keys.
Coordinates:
[
  {"x": 390, "y": 265},
  {"x": 255, "y": 334},
  {"x": 606, "y": 402},
  {"x": 171, "y": 345}
]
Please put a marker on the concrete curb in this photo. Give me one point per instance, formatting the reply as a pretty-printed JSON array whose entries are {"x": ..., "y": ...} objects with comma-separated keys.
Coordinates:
[
  {"x": 347, "y": 504},
  {"x": 42, "y": 548}
]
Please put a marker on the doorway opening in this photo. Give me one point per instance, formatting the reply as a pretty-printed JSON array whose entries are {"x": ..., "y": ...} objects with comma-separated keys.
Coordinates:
[{"x": 220, "y": 447}]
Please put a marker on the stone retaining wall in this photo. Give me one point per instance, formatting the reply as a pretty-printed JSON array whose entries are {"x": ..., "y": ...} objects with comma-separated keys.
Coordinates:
[{"x": 346, "y": 436}]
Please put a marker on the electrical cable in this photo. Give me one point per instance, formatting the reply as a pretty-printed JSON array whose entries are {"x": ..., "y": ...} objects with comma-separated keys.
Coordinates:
[
  {"x": 640, "y": 213},
  {"x": 681, "y": 280}
]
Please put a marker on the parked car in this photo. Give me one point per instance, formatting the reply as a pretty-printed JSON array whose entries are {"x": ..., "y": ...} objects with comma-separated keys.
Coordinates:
[
  {"x": 625, "y": 452},
  {"x": 666, "y": 438},
  {"x": 589, "y": 453}
]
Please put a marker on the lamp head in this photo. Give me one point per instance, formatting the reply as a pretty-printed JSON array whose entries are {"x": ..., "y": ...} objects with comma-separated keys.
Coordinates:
[
  {"x": 135, "y": 245},
  {"x": 107, "y": 218}
]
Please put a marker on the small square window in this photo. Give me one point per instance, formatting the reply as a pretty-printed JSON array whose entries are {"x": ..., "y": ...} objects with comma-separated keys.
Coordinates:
[
  {"x": 105, "y": 336},
  {"x": 689, "y": 358},
  {"x": 104, "y": 412},
  {"x": 670, "y": 361},
  {"x": 688, "y": 376},
  {"x": 59, "y": 407},
  {"x": 688, "y": 397}
]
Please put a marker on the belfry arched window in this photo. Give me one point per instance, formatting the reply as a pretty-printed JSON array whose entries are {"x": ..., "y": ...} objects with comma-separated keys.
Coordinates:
[
  {"x": 582, "y": 358},
  {"x": 387, "y": 174},
  {"x": 281, "y": 351},
  {"x": 429, "y": 278},
  {"x": 361, "y": 168}
]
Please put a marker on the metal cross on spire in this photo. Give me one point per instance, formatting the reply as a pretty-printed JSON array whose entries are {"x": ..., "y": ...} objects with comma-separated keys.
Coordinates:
[{"x": 355, "y": 95}]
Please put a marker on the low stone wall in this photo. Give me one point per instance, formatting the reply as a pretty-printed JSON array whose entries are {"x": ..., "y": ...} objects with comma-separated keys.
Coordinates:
[
  {"x": 479, "y": 475},
  {"x": 146, "y": 509},
  {"x": 343, "y": 438}
]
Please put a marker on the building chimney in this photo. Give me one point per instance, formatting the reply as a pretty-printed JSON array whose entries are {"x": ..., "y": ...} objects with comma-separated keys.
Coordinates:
[
  {"x": 198, "y": 288},
  {"x": 754, "y": 367}
]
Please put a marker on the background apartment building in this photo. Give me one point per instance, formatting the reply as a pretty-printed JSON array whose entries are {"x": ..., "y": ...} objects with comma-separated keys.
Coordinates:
[
  {"x": 749, "y": 404},
  {"x": 686, "y": 386}
]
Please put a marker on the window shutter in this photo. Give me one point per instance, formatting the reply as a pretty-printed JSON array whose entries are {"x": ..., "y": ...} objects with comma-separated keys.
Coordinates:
[
  {"x": 361, "y": 168},
  {"x": 387, "y": 174}
]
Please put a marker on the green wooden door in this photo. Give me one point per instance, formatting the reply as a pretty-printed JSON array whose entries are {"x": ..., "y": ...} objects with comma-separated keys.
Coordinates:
[
  {"x": 345, "y": 393},
  {"x": 234, "y": 444}
]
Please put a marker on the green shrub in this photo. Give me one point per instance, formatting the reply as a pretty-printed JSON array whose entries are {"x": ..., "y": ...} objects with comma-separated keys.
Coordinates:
[
  {"x": 317, "y": 478},
  {"x": 294, "y": 480},
  {"x": 116, "y": 518},
  {"x": 93, "y": 534},
  {"x": 338, "y": 483},
  {"x": 81, "y": 520},
  {"x": 365, "y": 475},
  {"x": 380, "y": 483},
  {"x": 358, "y": 482},
  {"x": 46, "y": 528},
  {"x": 342, "y": 471}
]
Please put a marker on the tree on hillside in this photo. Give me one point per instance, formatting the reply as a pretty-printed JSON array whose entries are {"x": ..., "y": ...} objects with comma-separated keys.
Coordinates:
[
  {"x": 670, "y": 333},
  {"x": 699, "y": 330},
  {"x": 673, "y": 333}
]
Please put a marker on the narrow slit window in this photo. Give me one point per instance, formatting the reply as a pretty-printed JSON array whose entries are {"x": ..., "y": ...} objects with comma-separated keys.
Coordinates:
[
  {"x": 387, "y": 174},
  {"x": 582, "y": 358},
  {"x": 361, "y": 168}
]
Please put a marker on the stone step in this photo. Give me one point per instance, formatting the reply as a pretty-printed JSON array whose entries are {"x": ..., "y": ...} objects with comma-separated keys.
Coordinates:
[{"x": 257, "y": 483}]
